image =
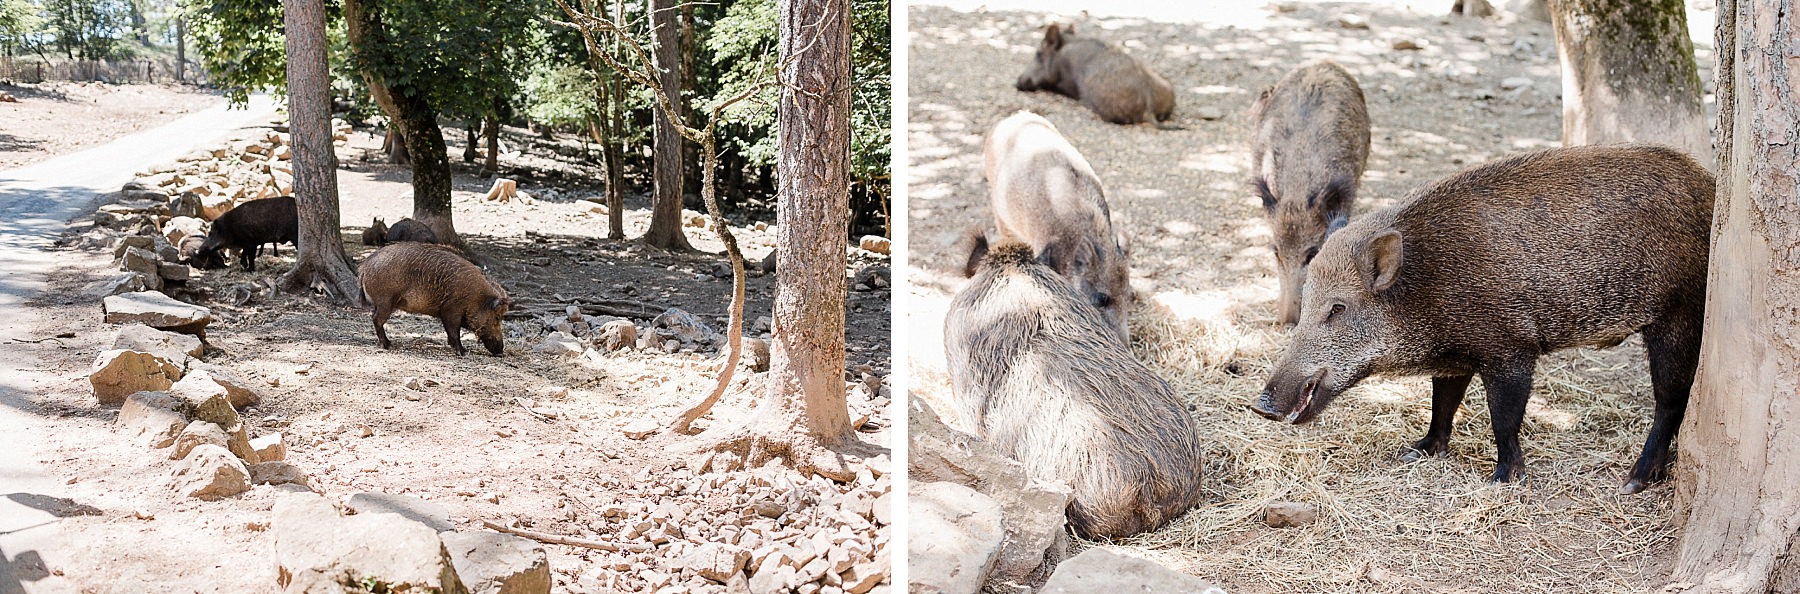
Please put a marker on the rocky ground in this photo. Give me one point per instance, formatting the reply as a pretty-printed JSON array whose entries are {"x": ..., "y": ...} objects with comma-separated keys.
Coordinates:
[
  {"x": 36, "y": 125},
  {"x": 560, "y": 437},
  {"x": 1324, "y": 507}
]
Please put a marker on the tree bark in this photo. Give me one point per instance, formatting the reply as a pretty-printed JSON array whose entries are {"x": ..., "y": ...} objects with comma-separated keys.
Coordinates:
[
  {"x": 394, "y": 144},
  {"x": 1629, "y": 75},
  {"x": 665, "y": 215},
  {"x": 492, "y": 166},
  {"x": 416, "y": 121},
  {"x": 615, "y": 144},
  {"x": 1739, "y": 471},
  {"x": 320, "y": 260}
]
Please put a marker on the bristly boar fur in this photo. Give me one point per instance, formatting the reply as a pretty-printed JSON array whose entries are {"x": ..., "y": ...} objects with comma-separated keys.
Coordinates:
[
  {"x": 1035, "y": 369},
  {"x": 1484, "y": 271},
  {"x": 247, "y": 227},
  {"x": 376, "y": 234},
  {"x": 436, "y": 281},
  {"x": 1046, "y": 195},
  {"x": 1307, "y": 157},
  {"x": 1115, "y": 86},
  {"x": 410, "y": 230}
]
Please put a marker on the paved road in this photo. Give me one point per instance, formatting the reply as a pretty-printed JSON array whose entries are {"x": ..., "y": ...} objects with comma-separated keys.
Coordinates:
[{"x": 35, "y": 203}]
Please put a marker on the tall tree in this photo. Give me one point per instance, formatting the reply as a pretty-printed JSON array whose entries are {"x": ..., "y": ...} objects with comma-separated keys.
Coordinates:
[
  {"x": 665, "y": 214},
  {"x": 320, "y": 261},
  {"x": 1739, "y": 470},
  {"x": 1629, "y": 75}
]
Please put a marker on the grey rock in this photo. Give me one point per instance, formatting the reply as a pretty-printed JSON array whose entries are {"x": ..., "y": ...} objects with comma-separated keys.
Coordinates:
[
  {"x": 314, "y": 545},
  {"x": 955, "y": 538},
  {"x": 413, "y": 508},
  {"x": 156, "y": 310},
  {"x": 492, "y": 563},
  {"x": 1101, "y": 570},
  {"x": 210, "y": 473}
]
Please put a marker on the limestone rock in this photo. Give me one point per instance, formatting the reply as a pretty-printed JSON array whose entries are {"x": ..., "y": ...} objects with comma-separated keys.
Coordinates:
[
  {"x": 151, "y": 416},
  {"x": 157, "y": 310},
  {"x": 686, "y": 327},
  {"x": 617, "y": 334},
  {"x": 212, "y": 379},
  {"x": 171, "y": 346},
  {"x": 183, "y": 227},
  {"x": 119, "y": 373},
  {"x": 493, "y": 563},
  {"x": 558, "y": 343},
  {"x": 143, "y": 262},
  {"x": 1101, "y": 570},
  {"x": 955, "y": 538},
  {"x": 314, "y": 545},
  {"x": 269, "y": 448},
  {"x": 124, "y": 282},
  {"x": 196, "y": 434},
  {"x": 756, "y": 353},
  {"x": 640, "y": 429},
  {"x": 1287, "y": 514},
  {"x": 278, "y": 473},
  {"x": 210, "y": 472},
  {"x": 718, "y": 562},
  {"x": 875, "y": 243}
]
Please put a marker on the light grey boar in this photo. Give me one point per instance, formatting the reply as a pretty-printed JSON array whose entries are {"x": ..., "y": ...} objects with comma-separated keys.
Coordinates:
[{"x": 1115, "y": 86}]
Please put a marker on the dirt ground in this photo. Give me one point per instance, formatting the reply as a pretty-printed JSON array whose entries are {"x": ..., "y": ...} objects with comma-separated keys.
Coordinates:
[
  {"x": 37, "y": 126},
  {"x": 1204, "y": 273},
  {"x": 528, "y": 439}
]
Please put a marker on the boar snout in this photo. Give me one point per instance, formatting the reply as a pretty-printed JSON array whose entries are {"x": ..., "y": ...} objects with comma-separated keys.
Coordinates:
[
  {"x": 1025, "y": 83},
  {"x": 1291, "y": 398},
  {"x": 495, "y": 345}
]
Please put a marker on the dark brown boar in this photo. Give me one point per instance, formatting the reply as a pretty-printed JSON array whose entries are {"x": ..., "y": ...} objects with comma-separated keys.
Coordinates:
[
  {"x": 1044, "y": 194},
  {"x": 247, "y": 227},
  {"x": 376, "y": 234},
  {"x": 1036, "y": 371},
  {"x": 1307, "y": 157},
  {"x": 434, "y": 281},
  {"x": 410, "y": 230},
  {"x": 1482, "y": 272},
  {"x": 1111, "y": 83}
]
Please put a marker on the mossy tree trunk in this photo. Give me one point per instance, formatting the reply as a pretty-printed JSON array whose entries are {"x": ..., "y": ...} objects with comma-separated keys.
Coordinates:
[
  {"x": 1739, "y": 470},
  {"x": 1629, "y": 75}
]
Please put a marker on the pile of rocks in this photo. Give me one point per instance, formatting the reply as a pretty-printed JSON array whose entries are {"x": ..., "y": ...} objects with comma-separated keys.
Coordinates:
[
  {"x": 780, "y": 531},
  {"x": 978, "y": 522},
  {"x": 674, "y": 331},
  {"x": 244, "y": 169}
]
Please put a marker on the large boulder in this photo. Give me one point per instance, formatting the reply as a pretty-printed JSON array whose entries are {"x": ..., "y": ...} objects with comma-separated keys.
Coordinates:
[
  {"x": 156, "y": 310},
  {"x": 119, "y": 373},
  {"x": 493, "y": 563},
  {"x": 171, "y": 346},
  {"x": 210, "y": 472},
  {"x": 1101, "y": 570},
  {"x": 315, "y": 548},
  {"x": 955, "y": 540},
  {"x": 1034, "y": 511}
]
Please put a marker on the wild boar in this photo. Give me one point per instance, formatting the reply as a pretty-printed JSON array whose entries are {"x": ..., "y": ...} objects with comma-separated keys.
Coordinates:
[
  {"x": 376, "y": 233},
  {"x": 1044, "y": 194},
  {"x": 1115, "y": 86},
  {"x": 410, "y": 230},
  {"x": 190, "y": 254},
  {"x": 247, "y": 227},
  {"x": 1035, "y": 369},
  {"x": 434, "y": 281},
  {"x": 1307, "y": 157},
  {"x": 1483, "y": 271}
]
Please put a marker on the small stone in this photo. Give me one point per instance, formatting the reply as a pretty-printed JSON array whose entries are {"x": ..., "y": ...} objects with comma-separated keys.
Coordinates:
[
  {"x": 196, "y": 434},
  {"x": 716, "y": 561},
  {"x": 278, "y": 473},
  {"x": 213, "y": 378},
  {"x": 560, "y": 344},
  {"x": 211, "y": 472},
  {"x": 1406, "y": 45},
  {"x": 1352, "y": 21},
  {"x": 1517, "y": 82},
  {"x": 1102, "y": 570},
  {"x": 640, "y": 429},
  {"x": 171, "y": 346},
  {"x": 1287, "y": 514},
  {"x": 269, "y": 448},
  {"x": 1209, "y": 113},
  {"x": 118, "y": 373},
  {"x": 756, "y": 353},
  {"x": 152, "y": 416},
  {"x": 617, "y": 334},
  {"x": 492, "y": 563},
  {"x": 412, "y": 383},
  {"x": 875, "y": 243}
]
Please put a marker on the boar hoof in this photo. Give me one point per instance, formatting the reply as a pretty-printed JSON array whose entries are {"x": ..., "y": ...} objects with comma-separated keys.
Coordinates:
[
  {"x": 1414, "y": 454},
  {"x": 1507, "y": 474},
  {"x": 1633, "y": 487}
]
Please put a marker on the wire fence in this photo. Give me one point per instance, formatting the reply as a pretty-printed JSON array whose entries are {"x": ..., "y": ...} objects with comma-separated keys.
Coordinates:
[{"x": 26, "y": 69}]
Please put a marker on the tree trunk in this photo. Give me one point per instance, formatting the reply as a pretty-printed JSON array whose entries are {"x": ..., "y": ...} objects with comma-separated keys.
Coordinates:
[
  {"x": 665, "y": 214},
  {"x": 181, "y": 49},
  {"x": 492, "y": 166},
  {"x": 1739, "y": 471},
  {"x": 394, "y": 144},
  {"x": 1629, "y": 75},
  {"x": 469, "y": 134},
  {"x": 320, "y": 260},
  {"x": 690, "y": 152},
  {"x": 423, "y": 140}
]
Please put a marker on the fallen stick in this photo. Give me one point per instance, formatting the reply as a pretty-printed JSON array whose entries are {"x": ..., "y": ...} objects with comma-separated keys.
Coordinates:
[{"x": 568, "y": 540}]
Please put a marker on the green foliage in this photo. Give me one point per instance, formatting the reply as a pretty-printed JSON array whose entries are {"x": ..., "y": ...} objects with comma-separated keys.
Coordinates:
[
  {"x": 560, "y": 95},
  {"x": 461, "y": 55},
  {"x": 20, "y": 25},
  {"x": 87, "y": 29},
  {"x": 241, "y": 44}
]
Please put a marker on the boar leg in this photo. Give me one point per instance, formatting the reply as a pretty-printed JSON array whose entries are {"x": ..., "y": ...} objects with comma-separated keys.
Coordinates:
[
  {"x": 453, "y": 328},
  {"x": 1507, "y": 390},
  {"x": 381, "y": 317},
  {"x": 1673, "y": 356},
  {"x": 1446, "y": 397}
]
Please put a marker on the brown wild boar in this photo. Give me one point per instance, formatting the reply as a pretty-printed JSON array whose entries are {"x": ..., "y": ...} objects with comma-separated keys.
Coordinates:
[
  {"x": 1035, "y": 370},
  {"x": 410, "y": 230},
  {"x": 434, "y": 281},
  {"x": 1483, "y": 271},
  {"x": 1307, "y": 157},
  {"x": 1111, "y": 83},
  {"x": 1044, "y": 194},
  {"x": 376, "y": 234}
]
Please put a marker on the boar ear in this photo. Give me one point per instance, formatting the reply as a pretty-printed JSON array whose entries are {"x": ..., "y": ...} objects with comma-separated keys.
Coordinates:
[
  {"x": 978, "y": 250},
  {"x": 1261, "y": 185},
  {"x": 1382, "y": 255},
  {"x": 1053, "y": 36}
]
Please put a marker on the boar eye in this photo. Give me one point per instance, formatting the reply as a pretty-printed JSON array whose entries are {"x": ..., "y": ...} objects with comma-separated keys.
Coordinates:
[
  {"x": 1336, "y": 308},
  {"x": 1310, "y": 253},
  {"x": 1100, "y": 300}
]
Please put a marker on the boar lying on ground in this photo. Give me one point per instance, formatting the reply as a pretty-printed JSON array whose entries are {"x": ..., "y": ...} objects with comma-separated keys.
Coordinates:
[
  {"x": 1307, "y": 157},
  {"x": 246, "y": 228},
  {"x": 376, "y": 234},
  {"x": 1111, "y": 83},
  {"x": 434, "y": 281},
  {"x": 1044, "y": 194},
  {"x": 1036, "y": 371},
  {"x": 410, "y": 230},
  {"x": 1482, "y": 272}
]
